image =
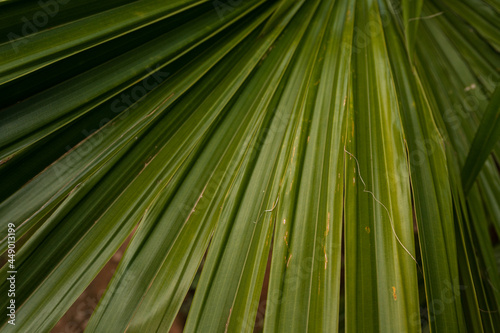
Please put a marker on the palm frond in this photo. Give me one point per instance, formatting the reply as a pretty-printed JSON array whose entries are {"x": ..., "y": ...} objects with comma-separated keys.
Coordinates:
[{"x": 336, "y": 159}]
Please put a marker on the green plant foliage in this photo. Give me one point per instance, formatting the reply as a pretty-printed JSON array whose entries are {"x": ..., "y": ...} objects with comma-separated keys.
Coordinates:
[{"x": 336, "y": 161}]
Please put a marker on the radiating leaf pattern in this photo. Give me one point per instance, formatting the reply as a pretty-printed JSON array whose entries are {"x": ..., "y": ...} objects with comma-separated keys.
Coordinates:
[{"x": 333, "y": 161}]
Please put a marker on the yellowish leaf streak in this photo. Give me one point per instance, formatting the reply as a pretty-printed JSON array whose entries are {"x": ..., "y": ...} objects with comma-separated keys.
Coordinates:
[
  {"x": 327, "y": 224},
  {"x": 326, "y": 257},
  {"x": 228, "y": 318}
]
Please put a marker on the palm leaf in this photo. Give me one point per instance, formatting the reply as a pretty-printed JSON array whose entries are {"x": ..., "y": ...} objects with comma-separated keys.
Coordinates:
[
  {"x": 485, "y": 139},
  {"x": 334, "y": 161}
]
